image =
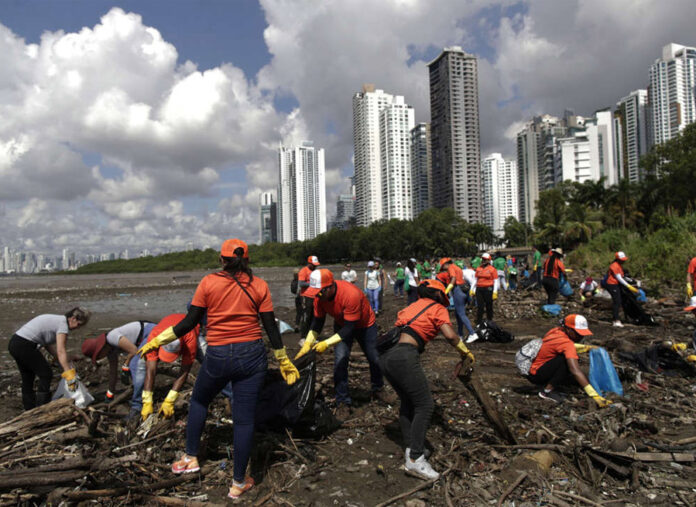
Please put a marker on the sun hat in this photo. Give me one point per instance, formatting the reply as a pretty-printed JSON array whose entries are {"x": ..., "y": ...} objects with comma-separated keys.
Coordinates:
[{"x": 91, "y": 347}]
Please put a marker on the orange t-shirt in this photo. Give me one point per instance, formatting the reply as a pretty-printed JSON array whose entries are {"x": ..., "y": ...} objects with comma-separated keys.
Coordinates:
[
  {"x": 553, "y": 267},
  {"x": 428, "y": 323},
  {"x": 188, "y": 343},
  {"x": 232, "y": 317},
  {"x": 349, "y": 304},
  {"x": 555, "y": 343},
  {"x": 303, "y": 276},
  {"x": 455, "y": 273},
  {"x": 614, "y": 269},
  {"x": 486, "y": 276},
  {"x": 444, "y": 277},
  {"x": 692, "y": 268}
]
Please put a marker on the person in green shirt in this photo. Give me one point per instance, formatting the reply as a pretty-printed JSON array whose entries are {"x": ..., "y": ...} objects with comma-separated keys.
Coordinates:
[
  {"x": 499, "y": 265},
  {"x": 426, "y": 270},
  {"x": 399, "y": 280},
  {"x": 476, "y": 261},
  {"x": 536, "y": 266},
  {"x": 459, "y": 263},
  {"x": 419, "y": 268}
]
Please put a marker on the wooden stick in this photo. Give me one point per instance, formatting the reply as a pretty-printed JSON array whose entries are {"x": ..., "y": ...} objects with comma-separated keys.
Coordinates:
[
  {"x": 145, "y": 441},
  {"x": 550, "y": 447},
  {"x": 578, "y": 498},
  {"x": 412, "y": 490},
  {"x": 40, "y": 436},
  {"x": 99, "y": 493},
  {"x": 40, "y": 479},
  {"x": 512, "y": 487}
]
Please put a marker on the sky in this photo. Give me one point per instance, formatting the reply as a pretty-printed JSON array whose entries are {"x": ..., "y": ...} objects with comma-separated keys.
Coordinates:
[{"x": 154, "y": 124}]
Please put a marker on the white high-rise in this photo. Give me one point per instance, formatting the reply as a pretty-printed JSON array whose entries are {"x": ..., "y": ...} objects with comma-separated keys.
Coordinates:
[
  {"x": 672, "y": 92},
  {"x": 301, "y": 193},
  {"x": 395, "y": 123},
  {"x": 499, "y": 179},
  {"x": 631, "y": 134},
  {"x": 600, "y": 134}
]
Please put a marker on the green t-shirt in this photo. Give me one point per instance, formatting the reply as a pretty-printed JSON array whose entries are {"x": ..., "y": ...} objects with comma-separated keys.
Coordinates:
[
  {"x": 499, "y": 263},
  {"x": 459, "y": 264},
  {"x": 400, "y": 275},
  {"x": 476, "y": 262},
  {"x": 537, "y": 259},
  {"x": 426, "y": 265},
  {"x": 421, "y": 271}
]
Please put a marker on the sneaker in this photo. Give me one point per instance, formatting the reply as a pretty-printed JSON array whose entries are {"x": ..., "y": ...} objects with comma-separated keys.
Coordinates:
[
  {"x": 617, "y": 323},
  {"x": 551, "y": 395},
  {"x": 342, "y": 412},
  {"x": 426, "y": 453},
  {"x": 472, "y": 338},
  {"x": 422, "y": 467},
  {"x": 237, "y": 491},
  {"x": 186, "y": 465}
]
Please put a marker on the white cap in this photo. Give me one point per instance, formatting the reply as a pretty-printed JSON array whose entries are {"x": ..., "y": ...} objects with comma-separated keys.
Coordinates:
[{"x": 370, "y": 264}]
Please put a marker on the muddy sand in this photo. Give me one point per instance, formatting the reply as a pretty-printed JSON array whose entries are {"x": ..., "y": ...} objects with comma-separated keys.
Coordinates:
[{"x": 639, "y": 451}]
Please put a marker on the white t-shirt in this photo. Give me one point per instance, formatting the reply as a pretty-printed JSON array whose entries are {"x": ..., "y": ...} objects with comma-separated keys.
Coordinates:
[
  {"x": 410, "y": 276},
  {"x": 372, "y": 279},
  {"x": 469, "y": 275},
  {"x": 349, "y": 276},
  {"x": 130, "y": 331},
  {"x": 585, "y": 287},
  {"x": 44, "y": 328}
]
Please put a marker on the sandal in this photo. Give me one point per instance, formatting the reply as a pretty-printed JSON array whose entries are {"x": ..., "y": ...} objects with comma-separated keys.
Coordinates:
[
  {"x": 186, "y": 465},
  {"x": 237, "y": 491}
]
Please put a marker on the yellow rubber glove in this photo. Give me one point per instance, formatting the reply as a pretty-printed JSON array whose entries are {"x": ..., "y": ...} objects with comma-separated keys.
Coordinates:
[
  {"x": 582, "y": 298},
  {"x": 166, "y": 336},
  {"x": 689, "y": 290},
  {"x": 465, "y": 352},
  {"x": 287, "y": 369},
  {"x": 495, "y": 295},
  {"x": 691, "y": 358},
  {"x": 679, "y": 347},
  {"x": 581, "y": 348},
  {"x": 568, "y": 270},
  {"x": 307, "y": 346},
  {"x": 633, "y": 289},
  {"x": 147, "y": 405},
  {"x": 325, "y": 344},
  {"x": 70, "y": 377},
  {"x": 167, "y": 408},
  {"x": 449, "y": 288},
  {"x": 601, "y": 402},
  {"x": 472, "y": 292}
]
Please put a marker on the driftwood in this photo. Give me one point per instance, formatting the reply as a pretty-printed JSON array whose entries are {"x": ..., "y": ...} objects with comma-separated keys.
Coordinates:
[
  {"x": 33, "y": 421},
  {"x": 101, "y": 493},
  {"x": 40, "y": 479}
]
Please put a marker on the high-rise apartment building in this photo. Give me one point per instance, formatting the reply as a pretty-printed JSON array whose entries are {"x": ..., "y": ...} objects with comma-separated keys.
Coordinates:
[
  {"x": 268, "y": 223},
  {"x": 500, "y": 193},
  {"x": 345, "y": 210},
  {"x": 421, "y": 169},
  {"x": 672, "y": 92},
  {"x": 454, "y": 127},
  {"x": 301, "y": 193},
  {"x": 396, "y": 120},
  {"x": 631, "y": 134}
]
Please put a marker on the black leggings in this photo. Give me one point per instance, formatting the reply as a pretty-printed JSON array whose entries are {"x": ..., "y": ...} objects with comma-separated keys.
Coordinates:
[
  {"x": 401, "y": 366},
  {"x": 554, "y": 371},
  {"x": 484, "y": 300},
  {"x": 551, "y": 287},
  {"x": 31, "y": 364},
  {"x": 615, "y": 292},
  {"x": 307, "y": 313}
]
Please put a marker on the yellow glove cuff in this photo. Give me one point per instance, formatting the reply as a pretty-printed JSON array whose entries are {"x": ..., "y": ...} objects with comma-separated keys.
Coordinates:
[
  {"x": 333, "y": 340},
  {"x": 68, "y": 374},
  {"x": 172, "y": 395},
  {"x": 147, "y": 396},
  {"x": 166, "y": 336},
  {"x": 312, "y": 336},
  {"x": 591, "y": 391},
  {"x": 568, "y": 270},
  {"x": 280, "y": 353},
  {"x": 449, "y": 288},
  {"x": 463, "y": 350}
]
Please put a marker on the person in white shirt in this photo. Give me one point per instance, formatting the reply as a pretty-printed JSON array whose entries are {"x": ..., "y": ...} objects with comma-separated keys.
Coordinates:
[
  {"x": 588, "y": 288},
  {"x": 349, "y": 274}
]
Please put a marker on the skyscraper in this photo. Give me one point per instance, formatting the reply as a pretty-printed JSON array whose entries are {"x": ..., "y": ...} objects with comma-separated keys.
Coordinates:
[
  {"x": 455, "y": 133},
  {"x": 672, "y": 92},
  {"x": 268, "y": 212},
  {"x": 395, "y": 123},
  {"x": 421, "y": 168},
  {"x": 631, "y": 134},
  {"x": 301, "y": 193},
  {"x": 500, "y": 194}
]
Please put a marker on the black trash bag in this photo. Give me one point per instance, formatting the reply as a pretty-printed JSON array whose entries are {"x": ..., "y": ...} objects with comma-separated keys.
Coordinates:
[
  {"x": 489, "y": 331},
  {"x": 634, "y": 310},
  {"x": 660, "y": 359},
  {"x": 317, "y": 423}
]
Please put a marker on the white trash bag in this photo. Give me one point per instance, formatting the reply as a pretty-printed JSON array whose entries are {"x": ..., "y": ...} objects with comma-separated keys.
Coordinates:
[{"x": 80, "y": 395}]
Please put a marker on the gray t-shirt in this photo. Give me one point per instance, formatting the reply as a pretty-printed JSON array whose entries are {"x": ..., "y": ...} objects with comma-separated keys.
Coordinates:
[
  {"x": 130, "y": 331},
  {"x": 44, "y": 328}
]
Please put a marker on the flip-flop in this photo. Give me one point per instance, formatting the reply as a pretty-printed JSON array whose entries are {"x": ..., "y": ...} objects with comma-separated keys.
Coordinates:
[{"x": 185, "y": 465}]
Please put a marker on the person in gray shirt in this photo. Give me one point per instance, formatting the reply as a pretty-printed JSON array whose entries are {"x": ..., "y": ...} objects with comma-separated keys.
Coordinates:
[{"x": 50, "y": 332}]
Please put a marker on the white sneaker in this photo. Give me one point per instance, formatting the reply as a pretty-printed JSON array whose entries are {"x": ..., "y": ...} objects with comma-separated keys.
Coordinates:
[
  {"x": 472, "y": 338},
  {"x": 617, "y": 323},
  {"x": 422, "y": 468}
]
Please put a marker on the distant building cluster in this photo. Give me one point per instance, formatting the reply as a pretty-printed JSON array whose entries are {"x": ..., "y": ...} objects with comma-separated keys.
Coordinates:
[{"x": 21, "y": 262}]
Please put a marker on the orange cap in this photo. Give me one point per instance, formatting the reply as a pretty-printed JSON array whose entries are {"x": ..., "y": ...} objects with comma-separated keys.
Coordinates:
[
  {"x": 486, "y": 256},
  {"x": 620, "y": 256},
  {"x": 319, "y": 279},
  {"x": 434, "y": 284},
  {"x": 229, "y": 246},
  {"x": 445, "y": 260},
  {"x": 313, "y": 259},
  {"x": 577, "y": 323},
  {"x": 169, "y": 352}
]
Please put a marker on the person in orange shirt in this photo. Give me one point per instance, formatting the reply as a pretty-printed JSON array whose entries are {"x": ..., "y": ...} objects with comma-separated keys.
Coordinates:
[
  {"x": 556, "y": 362},
  {"x": 307, "y": 302},
  {"x": 423, "y": 320},
  {"x": 691, "y": 277},
  {"x": 553, "y": 267},
  {"x": 614, "y": 277},
  {"x": 354, "y": 320},
  {"x": 459, "y": 288},
  {"x": 234, "y": 299},
  {"x": 485, "y": 287}
]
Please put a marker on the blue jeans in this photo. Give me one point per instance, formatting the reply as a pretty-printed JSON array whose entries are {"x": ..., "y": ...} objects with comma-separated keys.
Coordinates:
[
  {"x": 137, "y": 371},
  {"x": 244, "y": 365},
  {"x": 373, "y": 298},
  {"x": 460, "y": 301},
  {"x": 367, "y": 338},
  {"x": 399, "y": 287},
  {"x": 200, "y": 355}
]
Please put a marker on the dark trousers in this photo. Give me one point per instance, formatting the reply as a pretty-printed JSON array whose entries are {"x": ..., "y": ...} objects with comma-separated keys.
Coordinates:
[
  {"x": 31, "y": 364},
  {"x": 244, "y": 365},
  {"x": 367, "y": 339},
  {"x": 615, "y": 292},
  {"x": 399, "y": 287},
  {"x": 307, "y": 313},
  {"x": 554, "y": 371},
  {"x": 412, "y": 295},
  {"x": 299, "y": 309},
  {"x": 402, "y": 368},
  {"x": 551, "y": 288},
  {"x": 484, "y": 301}
]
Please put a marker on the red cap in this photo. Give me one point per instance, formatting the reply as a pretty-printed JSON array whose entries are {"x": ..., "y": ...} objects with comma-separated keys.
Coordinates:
[
  {"x": 445, "y": 260},
  {"x": 313, "y": 259},
  {"x": 435, "y": 284},
  {"x": 577, "y": 323},
  {"x": 319, "y": 279},
  {"x": 620, "y": 256},
  {"x": 91, "y": 347},
  {"x": 229, "y": 246}
]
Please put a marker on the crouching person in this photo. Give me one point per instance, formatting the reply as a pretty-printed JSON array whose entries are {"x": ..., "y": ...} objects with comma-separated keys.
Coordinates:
[
  {"x": 556, "y": 362},
  {"x": 423, "y": 320}
]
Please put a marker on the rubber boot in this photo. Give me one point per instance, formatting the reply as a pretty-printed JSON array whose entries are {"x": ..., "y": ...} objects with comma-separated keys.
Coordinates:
[{"x": 42, "y": 397}]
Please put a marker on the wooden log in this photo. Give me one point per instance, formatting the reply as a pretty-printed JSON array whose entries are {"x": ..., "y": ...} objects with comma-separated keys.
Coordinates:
[
  {"x": 512, "y": 487},
  {"x": 618, "y": 469},
  {"x": 101, "y": 493},
  {"x": 40, "y": 479},
  {"x": 51, "y": 414},
  {"x": 184, "y": 502},
  {"x": 68, "y": 464}
]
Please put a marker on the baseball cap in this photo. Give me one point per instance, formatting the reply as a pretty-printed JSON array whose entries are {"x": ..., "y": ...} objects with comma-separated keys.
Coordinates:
[
  {"x": 445, "y": 260},
  {"x": 319, "y": 279},
  {"x": 577, "y": 323},
  {"x": 370, "y": 264},
  {"x": 169, "y": 352},
  {"x": 434, "y": 284},
  {"x": 692, "y": 304},
  {"x": 486, "y": 256},
  {"x": 230, "y": 245},
  {"x": 620, "y": 256},
  {"x": 312, "y": 259},
  {"x": 91, "y": 347}
]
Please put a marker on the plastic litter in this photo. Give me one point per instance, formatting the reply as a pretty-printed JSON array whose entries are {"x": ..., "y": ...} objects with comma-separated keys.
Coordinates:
[
  {"x": 565, "y": 289},
  {"x": 551, "y": 310},
  {"x": 80, "y": 395},
  {"x": 603, "y": 376}
]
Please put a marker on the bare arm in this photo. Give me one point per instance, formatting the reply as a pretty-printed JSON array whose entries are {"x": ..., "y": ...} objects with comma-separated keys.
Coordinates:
[
  {"x": 181, "y": 379},
  {"x": 150, "y": 374},
  {"x": 450, "y": 335},
  {"x": 61, "y": 352},
  {"x": 129, "y": 348},
  {"x": 575, "y": 370},
  {"x": 113, "y": 371}
]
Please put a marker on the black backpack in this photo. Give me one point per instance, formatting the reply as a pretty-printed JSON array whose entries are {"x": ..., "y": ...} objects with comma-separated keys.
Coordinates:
[
  {"x": 491, "y": 332},
  {"x": 293, "y": 285}
]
